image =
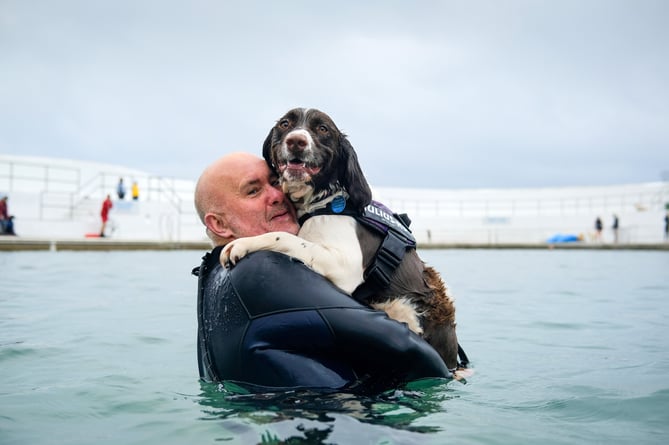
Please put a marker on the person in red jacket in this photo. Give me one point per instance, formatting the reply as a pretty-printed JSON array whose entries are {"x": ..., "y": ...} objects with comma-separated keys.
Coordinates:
[
  {"x": 104, "y": 214},
  {"x": 4, "y": 215}
]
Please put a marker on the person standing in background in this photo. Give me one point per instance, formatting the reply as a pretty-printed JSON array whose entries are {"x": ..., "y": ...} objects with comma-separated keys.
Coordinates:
[
  {"x": 666, "y": 226},
  {"x": 104, "y": 214},
  {"x": 598, "y": 229},
  {"x": 134, "y": 191},
  {"x": 120, "y": 189},
  {"x": 614, "y": 227}
]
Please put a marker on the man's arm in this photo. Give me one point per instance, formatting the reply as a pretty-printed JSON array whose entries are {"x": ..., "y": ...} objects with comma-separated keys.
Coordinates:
[{"x": 273, "y": 322}]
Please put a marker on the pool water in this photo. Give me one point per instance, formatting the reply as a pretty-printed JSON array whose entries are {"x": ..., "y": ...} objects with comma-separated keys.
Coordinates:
[{"x": 567, "y": 347}]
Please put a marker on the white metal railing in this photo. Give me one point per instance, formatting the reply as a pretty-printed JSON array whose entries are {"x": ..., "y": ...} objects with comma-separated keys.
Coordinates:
[
  {"x": 62, "y": 189},
  {"x": 16, "y": 175},
  {"x": 651, "y": 200}
]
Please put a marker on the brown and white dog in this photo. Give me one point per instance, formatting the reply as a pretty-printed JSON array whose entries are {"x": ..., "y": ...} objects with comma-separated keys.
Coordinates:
[{"x": 316, "y": 165}]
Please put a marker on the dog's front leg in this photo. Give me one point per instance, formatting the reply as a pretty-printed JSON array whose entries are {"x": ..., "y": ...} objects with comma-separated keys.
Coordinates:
[
  {"x": 334, "y": 265},
  {"x": 276, "y": 241}
]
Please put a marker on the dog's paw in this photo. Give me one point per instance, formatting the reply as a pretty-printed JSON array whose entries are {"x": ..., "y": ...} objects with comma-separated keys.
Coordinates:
[
  {"x": 233, "y": 252},
  {"x": 461, "y": 374}
]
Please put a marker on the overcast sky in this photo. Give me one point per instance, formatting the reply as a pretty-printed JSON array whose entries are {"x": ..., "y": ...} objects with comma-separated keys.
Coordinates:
[{"x": 443, "y": 94}]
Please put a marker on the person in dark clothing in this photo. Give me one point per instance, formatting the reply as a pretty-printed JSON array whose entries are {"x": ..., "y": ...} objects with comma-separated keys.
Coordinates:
[
  {"x": 9, "y": 226},
  {"x": 598, "y": 229},
  {"x": 120, "y": 189},
  {"x": 614, "y": 227},
  {"x": 271, "y": 322}
]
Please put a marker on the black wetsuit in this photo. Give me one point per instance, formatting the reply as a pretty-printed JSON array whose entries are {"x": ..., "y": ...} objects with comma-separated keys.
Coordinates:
[{"x": 271, "y": 322}]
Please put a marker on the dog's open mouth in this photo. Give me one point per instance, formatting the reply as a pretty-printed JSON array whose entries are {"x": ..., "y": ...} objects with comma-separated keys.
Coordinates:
[{"x": 297, "y": 167}]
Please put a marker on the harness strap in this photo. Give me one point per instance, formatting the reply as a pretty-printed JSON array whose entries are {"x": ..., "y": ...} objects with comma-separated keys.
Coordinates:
[
  {"x": 464, "y": 360},
  {"x": 397, "y": 238},
  {"x": 388, "y": 258}
]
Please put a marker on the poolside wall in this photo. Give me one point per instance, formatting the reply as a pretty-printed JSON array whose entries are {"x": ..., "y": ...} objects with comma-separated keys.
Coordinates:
[{"x": 61, "y": 199}]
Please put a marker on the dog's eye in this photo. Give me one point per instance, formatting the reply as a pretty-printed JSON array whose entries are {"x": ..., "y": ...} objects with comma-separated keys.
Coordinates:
[
  {"x": 323, "y": 129},
  {"x": 284, "y": 123}
]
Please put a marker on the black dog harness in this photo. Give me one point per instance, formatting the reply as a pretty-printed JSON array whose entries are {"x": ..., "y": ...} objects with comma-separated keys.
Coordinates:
[{"x": 397, "y": 239}]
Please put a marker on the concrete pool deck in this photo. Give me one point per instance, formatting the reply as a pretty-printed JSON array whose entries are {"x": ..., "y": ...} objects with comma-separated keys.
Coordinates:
[{"x": 18, "y": 243}]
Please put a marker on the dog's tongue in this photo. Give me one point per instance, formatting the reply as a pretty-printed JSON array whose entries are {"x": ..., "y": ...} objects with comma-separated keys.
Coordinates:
[{"x": 297, "y": 166}]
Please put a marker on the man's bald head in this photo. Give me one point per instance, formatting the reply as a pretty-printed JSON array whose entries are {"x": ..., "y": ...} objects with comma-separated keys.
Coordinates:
[
  {"x": 237, "y": 196},
  {"x": 209, "y": 191}
]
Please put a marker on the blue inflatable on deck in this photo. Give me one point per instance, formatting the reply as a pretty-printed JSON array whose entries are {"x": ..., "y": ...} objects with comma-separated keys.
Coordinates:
[{"x": 560, "y": 238}]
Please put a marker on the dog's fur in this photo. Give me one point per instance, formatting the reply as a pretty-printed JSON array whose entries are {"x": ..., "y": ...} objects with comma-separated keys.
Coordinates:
[{"x": 315, "y": 163}]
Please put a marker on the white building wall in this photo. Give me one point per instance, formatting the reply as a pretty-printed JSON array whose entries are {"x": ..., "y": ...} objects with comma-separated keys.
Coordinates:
[{"x": 62, "y": 198}]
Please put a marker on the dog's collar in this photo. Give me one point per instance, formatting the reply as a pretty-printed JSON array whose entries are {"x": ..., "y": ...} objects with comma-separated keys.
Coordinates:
[{"x": 335, "y": 204}]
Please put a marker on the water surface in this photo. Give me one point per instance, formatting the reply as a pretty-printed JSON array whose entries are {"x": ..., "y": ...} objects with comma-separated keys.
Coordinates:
[{"x": 568, "y": 347}]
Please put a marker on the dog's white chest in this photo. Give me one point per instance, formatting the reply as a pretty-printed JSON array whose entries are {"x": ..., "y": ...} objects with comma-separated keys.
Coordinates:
[{"x": 337, "y": 235}]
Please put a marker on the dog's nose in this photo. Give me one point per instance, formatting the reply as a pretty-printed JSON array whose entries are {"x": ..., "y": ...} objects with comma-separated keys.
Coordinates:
[{"x": 296, "y": 142}]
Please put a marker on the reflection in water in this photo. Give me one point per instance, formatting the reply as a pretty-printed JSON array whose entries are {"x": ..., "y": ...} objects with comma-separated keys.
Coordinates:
[{"x": 397, "y": 409}]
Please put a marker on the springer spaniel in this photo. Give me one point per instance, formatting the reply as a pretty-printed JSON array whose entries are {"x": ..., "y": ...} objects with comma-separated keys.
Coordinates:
[{"x": 317, "y": 166}]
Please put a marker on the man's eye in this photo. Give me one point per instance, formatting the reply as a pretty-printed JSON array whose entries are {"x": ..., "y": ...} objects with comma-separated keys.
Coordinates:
[{"x": 253, "y": 191}]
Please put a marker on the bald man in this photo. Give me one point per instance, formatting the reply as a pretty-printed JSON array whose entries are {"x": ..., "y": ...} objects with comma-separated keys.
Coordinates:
[
  {"x": 238, "y": 196},
  {"x": 270, "y": 322}
]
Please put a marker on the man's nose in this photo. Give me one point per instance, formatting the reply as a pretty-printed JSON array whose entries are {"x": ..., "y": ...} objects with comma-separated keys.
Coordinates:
[{"x": 275, "y": 195}]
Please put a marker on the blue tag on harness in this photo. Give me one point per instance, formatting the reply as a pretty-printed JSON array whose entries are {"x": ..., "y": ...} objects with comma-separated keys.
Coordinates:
[{"x": 338, "y": 204}]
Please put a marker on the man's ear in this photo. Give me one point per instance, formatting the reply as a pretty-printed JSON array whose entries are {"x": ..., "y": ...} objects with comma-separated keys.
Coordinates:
[{"x": 217, "y": 225}]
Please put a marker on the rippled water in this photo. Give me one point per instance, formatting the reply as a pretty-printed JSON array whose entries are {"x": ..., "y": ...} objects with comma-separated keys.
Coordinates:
[{"x": 568, "y": 347}]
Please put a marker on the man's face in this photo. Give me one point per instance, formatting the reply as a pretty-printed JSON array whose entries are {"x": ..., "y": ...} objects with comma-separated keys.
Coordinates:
[{"x": 255, "y": 203}]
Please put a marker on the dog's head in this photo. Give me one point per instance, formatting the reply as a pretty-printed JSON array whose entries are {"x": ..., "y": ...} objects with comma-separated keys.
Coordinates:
[{"x": 312, "y": 157}]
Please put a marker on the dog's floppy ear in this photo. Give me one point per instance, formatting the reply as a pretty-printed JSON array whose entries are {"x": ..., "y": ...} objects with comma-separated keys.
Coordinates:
[
  {"x": 352, "y": 178},
  {"x": 267, "y": 150}
]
